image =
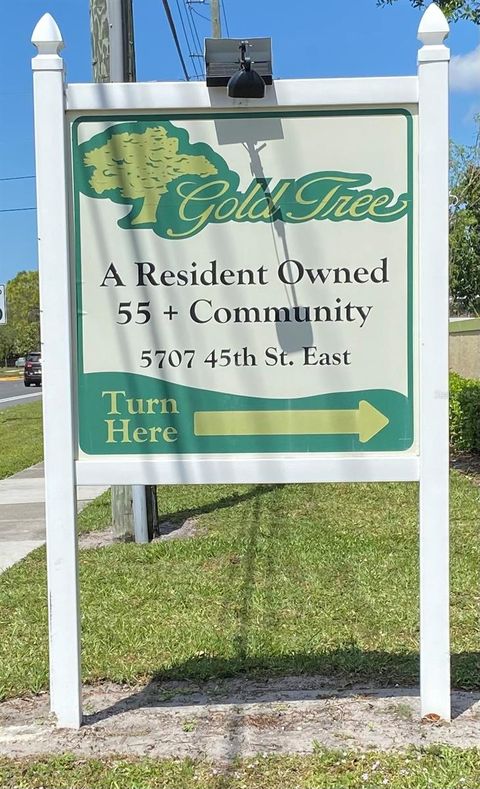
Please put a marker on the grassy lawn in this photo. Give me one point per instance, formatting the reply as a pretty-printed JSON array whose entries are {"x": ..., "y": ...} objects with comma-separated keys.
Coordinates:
[
  {"x": 433, "y": 768},
  {"x": 280, "y": 579},
  {"x": 96, "y": 515},
  {"x": 21, "y": 438}
]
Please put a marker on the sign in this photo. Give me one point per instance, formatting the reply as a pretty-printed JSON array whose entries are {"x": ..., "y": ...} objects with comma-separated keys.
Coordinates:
[
  {"x": 261, "y": 293},
  {"x": 3, "y": 306},
  {"x": 251, "y": 278}
]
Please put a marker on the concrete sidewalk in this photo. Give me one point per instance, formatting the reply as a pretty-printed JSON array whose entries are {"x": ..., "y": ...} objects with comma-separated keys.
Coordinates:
[{"x": 22, "y": 513}]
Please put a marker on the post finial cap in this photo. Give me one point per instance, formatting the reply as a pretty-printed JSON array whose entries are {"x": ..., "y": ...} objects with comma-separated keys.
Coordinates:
[
  {"x": 47, "y": 37},
  {"x": 434, "y": 27}
]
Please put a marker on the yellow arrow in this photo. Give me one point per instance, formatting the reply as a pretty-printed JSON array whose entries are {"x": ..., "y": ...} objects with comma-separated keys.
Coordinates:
[{"x": 366, "y": 421}]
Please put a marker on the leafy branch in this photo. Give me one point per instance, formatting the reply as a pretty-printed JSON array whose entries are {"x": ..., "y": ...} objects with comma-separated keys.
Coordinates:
[{"x": 453, "y": 9}]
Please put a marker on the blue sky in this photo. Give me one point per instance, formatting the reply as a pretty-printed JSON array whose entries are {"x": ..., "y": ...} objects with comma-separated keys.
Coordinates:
[{"x": 310, "y": 38}]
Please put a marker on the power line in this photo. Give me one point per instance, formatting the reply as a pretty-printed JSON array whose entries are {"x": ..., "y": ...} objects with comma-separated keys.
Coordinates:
[
  {"x": 187, "y": 41},
  {"x": 17, "y": 178},
  {"x": 193, "y": 30},
  {"x": 198, "y": 13},
  {"x": 9, "y": 210},
  {"x": 192, "y": 25},
  {"x": 175, "y": 37},
  {"x": 225, "y": 18},
  {"x": 189, "y": 5}
]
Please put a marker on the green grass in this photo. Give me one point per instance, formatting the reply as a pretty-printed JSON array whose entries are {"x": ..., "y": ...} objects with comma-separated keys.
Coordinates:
[
  {"x": 11, "y": 371},
  {"x": 282, "y": 579},
  {"x": 21, "y": 438},
  {"x": 439, "y": 767},
  {"x": 97, "y": 515}
]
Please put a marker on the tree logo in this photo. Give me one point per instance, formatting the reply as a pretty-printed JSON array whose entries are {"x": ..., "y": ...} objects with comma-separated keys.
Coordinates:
[
  {"x": 176, "y": 188},
  {"x": 134, "y": 163}
]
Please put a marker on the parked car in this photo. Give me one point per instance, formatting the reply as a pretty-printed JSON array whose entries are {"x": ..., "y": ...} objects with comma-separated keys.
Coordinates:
[
  {"x": 20, "y": 361},
  {"x": 32, "y": 373}
]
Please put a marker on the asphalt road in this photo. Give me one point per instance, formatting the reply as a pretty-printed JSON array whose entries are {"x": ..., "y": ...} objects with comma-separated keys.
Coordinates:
[{"x": 15, "y": 393}]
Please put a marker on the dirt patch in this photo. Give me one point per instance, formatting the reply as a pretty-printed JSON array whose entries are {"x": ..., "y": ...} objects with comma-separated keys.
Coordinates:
[
  {"x": 171, "y": 530},
  {"x": 168, "y": 530},
  {"x": 95, "y": 539},
  {"x": 223, "y": 720},
  {"x": 468, "y": 464}
]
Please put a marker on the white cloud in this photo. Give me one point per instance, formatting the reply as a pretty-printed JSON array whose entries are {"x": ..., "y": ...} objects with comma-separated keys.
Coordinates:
[{"x": 465, "y": 71}]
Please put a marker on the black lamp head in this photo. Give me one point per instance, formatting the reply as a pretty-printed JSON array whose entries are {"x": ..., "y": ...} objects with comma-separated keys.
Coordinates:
[{"x": 246, "y": 83}]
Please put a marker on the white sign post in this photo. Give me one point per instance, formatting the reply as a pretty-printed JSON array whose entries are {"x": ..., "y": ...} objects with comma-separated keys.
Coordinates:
[
  {"x": 57, "y": 362},
  {"x": 433, "y": 59},
  {"x": 269, "y": 282}
]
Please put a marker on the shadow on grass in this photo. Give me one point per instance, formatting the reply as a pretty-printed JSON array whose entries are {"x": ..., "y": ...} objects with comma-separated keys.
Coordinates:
[
  {"x": 19, "y": 418},
  {"x": 179, "y": 516},
  {"x": 339, "y": 673}
]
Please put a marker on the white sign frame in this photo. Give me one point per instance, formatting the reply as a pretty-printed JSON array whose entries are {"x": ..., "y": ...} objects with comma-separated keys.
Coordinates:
[{"x": 53, "y": 102}]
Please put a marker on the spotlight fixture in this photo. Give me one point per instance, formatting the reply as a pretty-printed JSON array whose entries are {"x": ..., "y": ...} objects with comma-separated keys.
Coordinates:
[
  {"x": 223, "y": 66},
  {"x": 246, "y": 83}
]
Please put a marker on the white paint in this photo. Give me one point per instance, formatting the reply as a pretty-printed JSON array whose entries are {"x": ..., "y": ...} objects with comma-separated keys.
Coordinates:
[
  {"x": 48, "y": 40},
  {"x": 249, "y": 469},
  {"x": 433, "y": 60},
  {"x": 19, "y": 397},
  {"x": 433, "y": 29},
  {"x": 283, "y": 93},
  {"x": 55, "y": 291}
]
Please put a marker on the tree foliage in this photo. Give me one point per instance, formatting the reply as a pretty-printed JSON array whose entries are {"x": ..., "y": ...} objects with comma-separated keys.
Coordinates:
[
  {"x": 22, "y": 332},
  {"x": 454, "y": 9},
  {"x": 7, "y": 342},
  {"x": 465, "y": 227},
  {"x": 141, "y": 166}
]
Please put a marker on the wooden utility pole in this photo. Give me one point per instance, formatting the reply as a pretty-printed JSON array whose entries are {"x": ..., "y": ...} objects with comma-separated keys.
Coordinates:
[
  {"x": 134, "y": 507},
  {"x": 100, "y": 40},
  {"x": 216, "y": 22},
  {"x": 113, "y": 48}
]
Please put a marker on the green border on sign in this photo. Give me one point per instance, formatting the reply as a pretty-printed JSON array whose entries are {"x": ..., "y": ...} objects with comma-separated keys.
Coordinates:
[{"x": 398, "y": 436}]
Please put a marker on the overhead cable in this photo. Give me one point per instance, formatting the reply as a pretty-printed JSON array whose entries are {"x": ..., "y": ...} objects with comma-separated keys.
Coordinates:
[
  {"x": 190, "y": 46},
  {"x": 194, "y": 29},
  {"x": 175, "y": 37},
  {"x": 17, "y": 178},
  {"x": 10, "y": 210},
  {"x": 225, "y": 18}
]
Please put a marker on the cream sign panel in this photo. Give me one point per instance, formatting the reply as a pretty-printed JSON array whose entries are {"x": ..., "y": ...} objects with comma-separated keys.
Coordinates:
[{"x": 245, "y": 282}]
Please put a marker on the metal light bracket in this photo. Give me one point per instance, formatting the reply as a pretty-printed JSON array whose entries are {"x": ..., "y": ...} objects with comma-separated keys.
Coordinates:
[{"x": 222, "y": 59}]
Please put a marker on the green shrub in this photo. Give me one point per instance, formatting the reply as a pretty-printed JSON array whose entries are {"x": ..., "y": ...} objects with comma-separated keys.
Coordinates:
[{"x": 464, "y": 413}]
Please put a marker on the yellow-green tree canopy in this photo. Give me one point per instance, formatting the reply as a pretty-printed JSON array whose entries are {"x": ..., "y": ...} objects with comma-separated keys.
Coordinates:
[{"x": 141, "y": 165}]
